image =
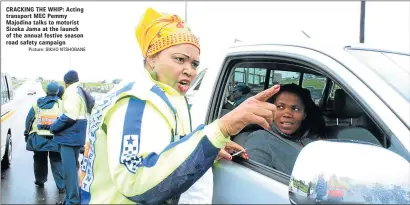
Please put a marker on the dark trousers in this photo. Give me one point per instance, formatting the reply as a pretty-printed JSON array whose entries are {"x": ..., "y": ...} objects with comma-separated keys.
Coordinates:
[
  {"x": 41, "y": 167},
  {"x": 69, "y": 157}
]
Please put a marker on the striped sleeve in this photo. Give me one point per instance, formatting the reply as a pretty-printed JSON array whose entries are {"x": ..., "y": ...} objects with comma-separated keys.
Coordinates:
[{"x": 144, "y": 165}]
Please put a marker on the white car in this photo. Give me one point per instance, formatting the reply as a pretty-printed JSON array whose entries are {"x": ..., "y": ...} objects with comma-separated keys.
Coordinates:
[
  {"x": 31, "y": 91},
  {"x": 7, "y": 113},
  {"x": 372, "y": 90}
]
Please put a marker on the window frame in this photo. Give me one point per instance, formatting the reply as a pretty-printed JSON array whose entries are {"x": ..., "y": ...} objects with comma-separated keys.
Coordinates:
[{"x": 228, "y": 68}]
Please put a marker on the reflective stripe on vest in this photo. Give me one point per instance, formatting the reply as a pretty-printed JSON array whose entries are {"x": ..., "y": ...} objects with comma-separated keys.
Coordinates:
[
  {"x": 154, "y": 95},
  {"x": 46, "y": 117}
]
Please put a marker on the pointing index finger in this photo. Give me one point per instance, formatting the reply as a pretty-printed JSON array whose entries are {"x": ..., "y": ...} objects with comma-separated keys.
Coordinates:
[{"x": 266, "y": 94}]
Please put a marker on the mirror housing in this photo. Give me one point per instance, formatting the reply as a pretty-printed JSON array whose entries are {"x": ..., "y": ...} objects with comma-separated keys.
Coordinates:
[{"x": 349, "y": 172}]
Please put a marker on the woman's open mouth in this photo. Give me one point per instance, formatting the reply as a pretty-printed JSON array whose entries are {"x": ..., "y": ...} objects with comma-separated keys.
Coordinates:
[
  {"x": 286, "y": 124},
  {"x": 184, "y": 85}
]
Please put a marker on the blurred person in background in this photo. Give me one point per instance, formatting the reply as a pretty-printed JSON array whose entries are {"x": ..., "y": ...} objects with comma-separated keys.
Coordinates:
[
  {"x": 60, "y": 95},
  {"x": 238, "y": 94},
  {"x": 60, "y": 92},
  {"x": 39, "y": 139},
  {"x": 70, "y": 130}
]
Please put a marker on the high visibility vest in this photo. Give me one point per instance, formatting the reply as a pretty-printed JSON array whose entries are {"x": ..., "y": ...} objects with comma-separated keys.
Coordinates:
[
  {"x": 45, "y": 117},
  {"x": 96, "y": 124},
  {"x": 97, "y": 184}
]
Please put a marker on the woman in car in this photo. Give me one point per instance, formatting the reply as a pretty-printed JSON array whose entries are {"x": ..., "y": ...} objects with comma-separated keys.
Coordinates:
[{"x": 297, "y": 122}]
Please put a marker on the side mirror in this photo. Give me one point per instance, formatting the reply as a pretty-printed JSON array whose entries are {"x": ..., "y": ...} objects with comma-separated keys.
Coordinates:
[{"x": 349, "y": 172}]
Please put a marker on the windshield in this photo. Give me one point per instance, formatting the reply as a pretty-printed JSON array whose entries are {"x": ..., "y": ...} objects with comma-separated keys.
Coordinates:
[{"x": 394, "y": 68}]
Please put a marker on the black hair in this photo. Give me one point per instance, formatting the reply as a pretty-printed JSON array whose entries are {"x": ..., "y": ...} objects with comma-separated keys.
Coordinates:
[
  {"x": 245, "y": 90},
  {"x": 314, "y": 119}
]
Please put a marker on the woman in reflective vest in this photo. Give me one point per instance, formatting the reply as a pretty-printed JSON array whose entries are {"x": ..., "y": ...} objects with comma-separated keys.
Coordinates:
[
  {"x": 140, "y": 146},
  {"x": 39, "y": 139}
]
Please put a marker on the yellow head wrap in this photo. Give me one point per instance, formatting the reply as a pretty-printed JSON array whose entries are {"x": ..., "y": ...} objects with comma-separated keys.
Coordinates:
[{"x": 158, "y": 31}]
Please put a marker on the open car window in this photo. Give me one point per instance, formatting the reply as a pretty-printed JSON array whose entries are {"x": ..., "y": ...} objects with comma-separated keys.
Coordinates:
[
  {"x": 255, "y": 78},
  {"x": 260, "y": 76}
]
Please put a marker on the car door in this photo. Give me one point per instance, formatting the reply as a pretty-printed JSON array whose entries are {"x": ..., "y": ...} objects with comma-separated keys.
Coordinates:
[
  {"x": 5, "y": 112},
  {"x": 241, "y": 181}
]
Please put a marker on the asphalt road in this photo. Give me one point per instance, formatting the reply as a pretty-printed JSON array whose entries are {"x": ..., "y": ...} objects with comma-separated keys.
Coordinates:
[{"x": 17, "y": 183}]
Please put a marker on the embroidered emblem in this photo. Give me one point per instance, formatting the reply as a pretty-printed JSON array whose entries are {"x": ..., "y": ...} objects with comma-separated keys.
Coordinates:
[{"x": 129, "y": 153}]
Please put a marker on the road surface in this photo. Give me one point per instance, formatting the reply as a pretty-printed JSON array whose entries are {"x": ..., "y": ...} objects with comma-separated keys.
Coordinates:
[{"x": 17, "y": 183}]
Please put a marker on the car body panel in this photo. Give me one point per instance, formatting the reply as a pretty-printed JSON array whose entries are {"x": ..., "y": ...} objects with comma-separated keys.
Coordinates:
[
  {"x": 251, "y": 183},
  {"x": 7, "y": 111}
]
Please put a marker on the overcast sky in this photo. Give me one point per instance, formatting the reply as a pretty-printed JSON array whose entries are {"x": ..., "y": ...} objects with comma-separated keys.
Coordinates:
[{"x": 113, "y": 52}]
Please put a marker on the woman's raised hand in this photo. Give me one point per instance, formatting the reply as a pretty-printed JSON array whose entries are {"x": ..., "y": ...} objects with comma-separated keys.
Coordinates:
[{"x": 254, "y": 110}]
